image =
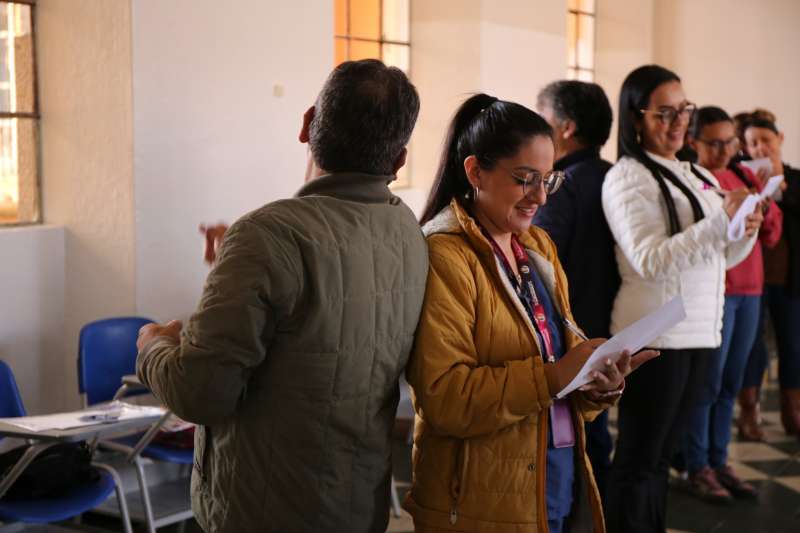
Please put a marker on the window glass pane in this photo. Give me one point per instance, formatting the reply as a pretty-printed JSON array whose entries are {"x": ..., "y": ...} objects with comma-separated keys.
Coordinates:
[
  {"x": 16, "y": 64},
  {"x": 340, "y": 17},
  {"x": 396, "y": 15},
  {"x": 585, "y": 75},
  {"x": 365, "y": 21},
  {"x": 364, "y": 50},
  {"x": 581, "y": 5},
  {"x": 585, "y": 41},
  {"x": 397, "y": 55},
  {"x": 572, "y": 74},
  {"x": 572, "y": 39},
  {"x": 19, "y": 199},
  {"x": 339, "y": 51}
]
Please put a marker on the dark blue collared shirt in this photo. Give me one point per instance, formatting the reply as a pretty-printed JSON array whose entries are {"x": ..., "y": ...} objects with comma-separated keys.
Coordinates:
[{"x": 574, "y": 219}]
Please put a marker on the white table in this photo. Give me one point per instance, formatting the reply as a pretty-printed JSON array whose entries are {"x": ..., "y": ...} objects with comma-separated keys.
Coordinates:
[{"x": 42, "y": 440}]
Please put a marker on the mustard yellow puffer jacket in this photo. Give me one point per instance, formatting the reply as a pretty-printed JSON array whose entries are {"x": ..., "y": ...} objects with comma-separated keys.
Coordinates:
[{"x": 480, "y": 392}]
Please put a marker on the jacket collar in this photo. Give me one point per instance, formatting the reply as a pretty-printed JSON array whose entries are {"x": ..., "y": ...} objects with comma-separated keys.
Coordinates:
[
  {"x": 351, "y": 186},
  {"x": 455, "y": 219},
  {"x": 591, "y": 152},
  {"x": 675, "y": 165}
]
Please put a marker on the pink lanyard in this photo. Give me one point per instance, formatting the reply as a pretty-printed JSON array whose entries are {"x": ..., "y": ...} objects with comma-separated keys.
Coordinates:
[{"x": 538, "y": 315}]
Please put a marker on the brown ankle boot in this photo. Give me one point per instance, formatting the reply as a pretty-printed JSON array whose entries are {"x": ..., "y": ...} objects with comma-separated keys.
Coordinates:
[
  {"x": 749, "y": 422},
  {"x": 790, "y": 411}
]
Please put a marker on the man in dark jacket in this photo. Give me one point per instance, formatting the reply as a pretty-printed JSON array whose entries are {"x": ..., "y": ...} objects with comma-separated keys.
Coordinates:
[
  {"x": 581, "y": 117},
  {"x": 290, "y": 364}
]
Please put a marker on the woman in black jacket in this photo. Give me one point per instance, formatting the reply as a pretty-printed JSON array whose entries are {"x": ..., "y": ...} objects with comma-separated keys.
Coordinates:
[{"x": 781, "y": 275}]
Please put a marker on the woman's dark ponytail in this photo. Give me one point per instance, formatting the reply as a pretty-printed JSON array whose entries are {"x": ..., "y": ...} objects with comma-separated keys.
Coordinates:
[{"x": 488, "y": 128}]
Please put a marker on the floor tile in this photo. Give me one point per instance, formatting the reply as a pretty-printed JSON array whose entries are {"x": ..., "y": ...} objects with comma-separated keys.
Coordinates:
[
  {"x": 754, "y": 451},
  {"x": 775, "y": 433},
  {"x": 747, "y": 473},
  {"x": 777, "y": 467},
  {"x": 791, "y": 482},
  {"x": 401, "y": 525}
]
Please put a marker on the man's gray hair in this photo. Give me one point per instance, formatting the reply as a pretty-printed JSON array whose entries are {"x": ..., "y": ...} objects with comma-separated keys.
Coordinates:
[{"x": 364, "y": 118}]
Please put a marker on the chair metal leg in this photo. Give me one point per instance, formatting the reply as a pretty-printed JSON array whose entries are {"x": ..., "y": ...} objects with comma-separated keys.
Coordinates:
[
  {"x": 148, "y": 509},
  {"x": 121, "y": 500},
  {"x": 395, "y": 501},
  {"x": 23, "y": 462}
]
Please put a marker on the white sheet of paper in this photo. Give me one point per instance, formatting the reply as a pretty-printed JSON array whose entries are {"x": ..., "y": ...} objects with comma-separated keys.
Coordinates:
[
  {"x": 633, "y": 338},
  {"x": 772, "y": 186},
  {"x": 75, "y": 419},
  {"x": 757, "y": 164},
  {"x": 736, "y": 227}
]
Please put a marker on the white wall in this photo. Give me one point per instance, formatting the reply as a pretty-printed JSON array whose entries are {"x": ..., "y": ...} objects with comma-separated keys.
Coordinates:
[
  {"x": 624, "y": 41},
  {"x": 508, "y": 49},
  {"x": 84, "y": 67},
  {"x": 736, "y": 54},
  {"x": 32, "y": 313},
  {"x": 219, "y": 90}
]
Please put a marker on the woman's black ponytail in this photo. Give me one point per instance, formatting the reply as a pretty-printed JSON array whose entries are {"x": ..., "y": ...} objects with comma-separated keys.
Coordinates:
[{"x": 488, "y": 128}]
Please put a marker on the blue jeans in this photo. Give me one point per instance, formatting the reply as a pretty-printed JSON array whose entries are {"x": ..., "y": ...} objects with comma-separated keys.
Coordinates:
[
  {"x": 784, "y": 313},
  {"x": 711, "y": 417},
  {"x": 556, "y": 525}
]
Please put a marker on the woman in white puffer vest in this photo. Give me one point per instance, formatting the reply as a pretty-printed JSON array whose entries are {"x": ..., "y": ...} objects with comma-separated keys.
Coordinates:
[{"x": 670, "y": 225}]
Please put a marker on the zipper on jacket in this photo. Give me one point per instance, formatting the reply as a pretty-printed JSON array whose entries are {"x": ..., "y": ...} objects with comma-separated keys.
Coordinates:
[{"x": 457, "y": 495}]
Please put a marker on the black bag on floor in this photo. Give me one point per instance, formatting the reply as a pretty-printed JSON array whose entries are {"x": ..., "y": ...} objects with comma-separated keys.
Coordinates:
[{"x": 55, "y": 471}]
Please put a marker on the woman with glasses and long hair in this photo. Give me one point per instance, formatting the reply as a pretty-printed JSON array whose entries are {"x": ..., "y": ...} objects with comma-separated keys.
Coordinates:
[
  {"x": 713, "y": 135},
  {"x": 782, "y": 289},
  {"x": 670, "y": 226},
  {"x": 493, "y": 448}
]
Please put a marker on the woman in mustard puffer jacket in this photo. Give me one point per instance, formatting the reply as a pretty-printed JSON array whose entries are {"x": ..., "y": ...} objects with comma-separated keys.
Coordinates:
[{"x": 493, "y": 450}]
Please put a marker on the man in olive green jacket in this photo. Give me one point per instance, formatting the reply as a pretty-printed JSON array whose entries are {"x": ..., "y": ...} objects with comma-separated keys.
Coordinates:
[{"x": 290, "y": 364}]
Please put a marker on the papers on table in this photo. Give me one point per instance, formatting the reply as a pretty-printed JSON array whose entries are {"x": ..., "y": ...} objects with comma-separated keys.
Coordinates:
[
  {"x": 736, "y": 227},
  {"x": 111, "y": 412},
  {"x": 633, "y": 338},
  {"x": 757, "y": 164}
]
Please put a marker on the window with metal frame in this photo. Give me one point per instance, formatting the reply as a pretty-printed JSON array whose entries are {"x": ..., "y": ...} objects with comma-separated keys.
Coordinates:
[
  {"x": 581, "y": 18},
  {"x": 375, "y": 29},
  {"x": 19, "y": 114}
]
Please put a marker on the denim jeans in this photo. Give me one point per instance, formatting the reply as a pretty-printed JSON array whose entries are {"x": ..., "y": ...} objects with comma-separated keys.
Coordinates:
[{"x": 711, "y": 417}]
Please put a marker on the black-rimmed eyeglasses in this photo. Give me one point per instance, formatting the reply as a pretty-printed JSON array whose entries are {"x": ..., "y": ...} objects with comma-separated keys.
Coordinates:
[
  {"x": 667, "y": 115},
  {"x": 731, "y": 144}
]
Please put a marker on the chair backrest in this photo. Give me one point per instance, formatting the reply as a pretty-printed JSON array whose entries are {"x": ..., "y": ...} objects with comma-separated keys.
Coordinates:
[
  {"x": 106, "y": 352},
  {"x": 10, "y": 400}
]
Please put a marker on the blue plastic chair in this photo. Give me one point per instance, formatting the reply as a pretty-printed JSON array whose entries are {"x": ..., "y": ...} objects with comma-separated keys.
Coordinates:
[
  {"x": 107, "y": 352},
  {"x": 63, "y": 507}
]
